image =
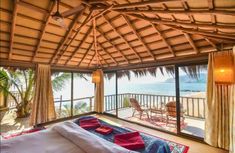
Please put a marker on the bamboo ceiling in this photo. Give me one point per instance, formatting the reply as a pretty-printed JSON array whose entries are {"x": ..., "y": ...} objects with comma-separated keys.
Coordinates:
[{"x": 127, "y": 31}]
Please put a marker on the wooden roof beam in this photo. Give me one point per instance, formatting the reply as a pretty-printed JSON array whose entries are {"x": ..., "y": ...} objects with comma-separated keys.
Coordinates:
[
  {"x": 138, "y": 36},
  {"x": 85, "y": 54},
  {"x": 190, "y": 40},
  {"x": 48, "y": 18},
  {"x": 78, "y": 47},
  {"x": 107, "y": 53},
  {"x": 13, "y": 22},
  {"x": 67, "y": 35},
  {"x": 123, "y": 38},
  {"x": 163, "y": 39},
  {"x": 114, "y": 46}
]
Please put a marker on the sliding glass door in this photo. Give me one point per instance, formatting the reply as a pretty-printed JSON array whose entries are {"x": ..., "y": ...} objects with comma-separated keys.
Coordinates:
[{"x": 192, "y": 86}]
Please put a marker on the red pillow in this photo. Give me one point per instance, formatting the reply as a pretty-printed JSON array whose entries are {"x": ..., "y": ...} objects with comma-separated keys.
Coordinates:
[
  {"x": 104, "y": 130},
  {"x": 89, "y": 123},
  {"x": 131, "y": 140}
]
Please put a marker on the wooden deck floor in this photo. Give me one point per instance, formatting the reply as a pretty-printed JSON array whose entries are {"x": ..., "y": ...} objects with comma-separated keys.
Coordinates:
[{"x": 192, "y": 126}]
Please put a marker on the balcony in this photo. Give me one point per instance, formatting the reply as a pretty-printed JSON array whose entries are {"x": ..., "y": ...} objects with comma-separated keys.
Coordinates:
[{"x": 194, "y": 110}]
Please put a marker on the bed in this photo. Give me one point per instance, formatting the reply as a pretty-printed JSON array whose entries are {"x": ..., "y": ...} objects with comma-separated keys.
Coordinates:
[{"x": 68, "y": 137}]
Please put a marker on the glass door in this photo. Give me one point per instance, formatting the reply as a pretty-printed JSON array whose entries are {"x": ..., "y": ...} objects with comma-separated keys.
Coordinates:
[
  {"x": 192, "y": 91},
  {"x": 110, "y": 105}
]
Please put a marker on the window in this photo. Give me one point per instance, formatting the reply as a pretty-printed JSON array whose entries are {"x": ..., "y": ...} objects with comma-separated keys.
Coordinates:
[
  {"x": 61, "y": 84},
  {"x": 192, "y": 81},
  {"x": 152, "y": 88},
  {"x": 83, "y": 93}
]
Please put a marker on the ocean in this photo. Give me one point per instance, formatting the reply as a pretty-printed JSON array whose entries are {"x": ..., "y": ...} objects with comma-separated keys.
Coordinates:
[{"x": 86, "y": 89}]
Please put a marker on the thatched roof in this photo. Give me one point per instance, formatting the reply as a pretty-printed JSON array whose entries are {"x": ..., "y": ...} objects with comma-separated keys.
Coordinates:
[{"x": 127, "y": 31}]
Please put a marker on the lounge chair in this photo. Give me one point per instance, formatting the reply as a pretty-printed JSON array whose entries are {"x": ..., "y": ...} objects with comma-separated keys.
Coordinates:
[
  {"x": 136, "y": 106},
  {"x": 171, "y": 114}
]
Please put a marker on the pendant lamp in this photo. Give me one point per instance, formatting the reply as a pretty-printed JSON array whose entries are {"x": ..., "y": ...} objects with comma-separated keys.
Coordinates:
[{"x": 96, "y": 75}]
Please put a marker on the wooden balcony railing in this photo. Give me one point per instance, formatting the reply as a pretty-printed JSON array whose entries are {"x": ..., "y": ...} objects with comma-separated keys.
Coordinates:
[{"x": 193, "y": 106}]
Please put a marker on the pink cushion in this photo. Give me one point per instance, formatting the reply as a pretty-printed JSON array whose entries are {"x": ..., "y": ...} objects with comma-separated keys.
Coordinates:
[{"x": 131, "y": 140}]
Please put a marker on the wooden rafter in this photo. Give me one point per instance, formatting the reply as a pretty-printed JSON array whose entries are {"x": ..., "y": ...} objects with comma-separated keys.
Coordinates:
[
  {"x": 67, "y": 35},
  {"x": 75, "y": 35},
  {"x": 163, "y": 39},
  {"x": 89, "y": 64},
  {"x": 13, "y": 22},
  {"x": 30, "y": 6},
  {"x": 211, "y": 43},
  {"x": 84, "y": 56},
  {"x": 103, "y": 49},
  {"x": 113, "y": 45},
  {"x": 138, "y": 36},
  {"x": 87, "y": 20},
  {"x": 193, "y": 25},
  {"x": 174, "y": 12},
  {"x": 184, "y": 29},
  {"x": 136, "y": 4},
  {"x": 48, "y": 18},
  {"x": 123, "y": 38},
  {"x": 191, "y": 42},
  {"x": 211, "y": 4},
  {"x": 78, "y": 47}
]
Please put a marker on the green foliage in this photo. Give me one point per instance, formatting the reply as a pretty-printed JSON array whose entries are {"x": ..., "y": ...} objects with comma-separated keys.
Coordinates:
[
  {"x": 23, "y": 82},
  {"x": 79, "y": 108},
  {"x": 126, "y": 102}
]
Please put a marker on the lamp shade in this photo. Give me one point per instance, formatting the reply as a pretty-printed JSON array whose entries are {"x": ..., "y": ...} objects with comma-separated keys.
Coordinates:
[
  {"x": 96, "y": 76},
  {"x": 224, "y": 69}
]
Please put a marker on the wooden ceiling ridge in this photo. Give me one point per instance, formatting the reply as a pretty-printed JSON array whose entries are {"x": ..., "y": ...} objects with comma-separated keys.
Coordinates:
[
  {"x": 123, "y": 38},
  {"x": 48, "y": 18},
  {"x": 15, "y": 10}
]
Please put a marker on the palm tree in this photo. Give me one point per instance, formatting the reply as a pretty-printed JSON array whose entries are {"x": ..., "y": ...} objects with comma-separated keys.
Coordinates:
[{"x": 23, "y": 82}]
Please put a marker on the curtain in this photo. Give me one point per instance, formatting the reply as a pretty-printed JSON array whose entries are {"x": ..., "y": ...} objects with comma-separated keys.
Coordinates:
[
  {"x": 232, "y": 114},
  {"x": 43, "y": 109},
  {"x": 219, "y": 125},
  {"x": 99, "y": 93}
]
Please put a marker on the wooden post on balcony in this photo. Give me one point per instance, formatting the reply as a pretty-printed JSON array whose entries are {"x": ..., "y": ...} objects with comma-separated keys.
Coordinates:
[
  {"x": 90, "y": 99},
  {"x": 60, "y": 104}
]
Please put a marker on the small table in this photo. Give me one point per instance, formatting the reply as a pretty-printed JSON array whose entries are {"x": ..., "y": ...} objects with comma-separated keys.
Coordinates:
[{"x": 160, "y": 111}]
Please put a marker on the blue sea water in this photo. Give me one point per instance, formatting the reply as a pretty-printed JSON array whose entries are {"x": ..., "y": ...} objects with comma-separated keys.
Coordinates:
[{"x": 162, "y": 88}]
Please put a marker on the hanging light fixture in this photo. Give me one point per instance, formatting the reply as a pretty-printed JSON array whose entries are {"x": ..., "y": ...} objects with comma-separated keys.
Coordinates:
[
  {"x": 96, "y": 75},
  {"x": 224, "y": 69}
]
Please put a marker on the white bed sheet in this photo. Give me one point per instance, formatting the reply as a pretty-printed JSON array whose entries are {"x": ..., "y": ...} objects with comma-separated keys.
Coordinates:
[{"x": 66, "y": 137}]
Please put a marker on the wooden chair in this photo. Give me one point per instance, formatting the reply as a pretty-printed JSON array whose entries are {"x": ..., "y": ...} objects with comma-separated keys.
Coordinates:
[
  {"x": 171, "y": 112},
  {"x": 135, "y": 105}
]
